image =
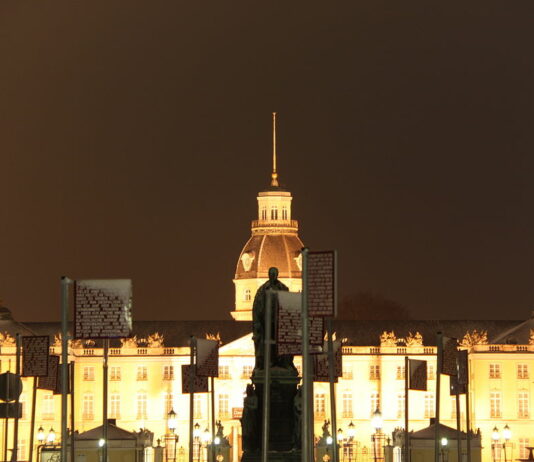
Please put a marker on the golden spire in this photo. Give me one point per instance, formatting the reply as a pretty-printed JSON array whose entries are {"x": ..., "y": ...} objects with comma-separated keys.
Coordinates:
[{"x": 274, "y": 175}]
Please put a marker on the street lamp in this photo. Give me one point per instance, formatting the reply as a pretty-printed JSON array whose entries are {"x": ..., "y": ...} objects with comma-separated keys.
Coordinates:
[
  {"x": 171, "y": 421},
  {"x": 444, "y": 443},
  {"x": 495, "y": 437},
  {"x": 377, "y": 423},
  {"x": 196, "y": 442},
  {"x": 507, "y": 434},
  {"x": 351, "y": 431},
  {"x": 40, "y": 435},
  {"x": 51, "y": 436}
]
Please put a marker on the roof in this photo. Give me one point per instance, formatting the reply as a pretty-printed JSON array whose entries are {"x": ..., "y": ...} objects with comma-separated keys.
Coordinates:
[
  {"x": 357, "y": 333},
  {"x": 428, "y": 433},
  {"x": 517, "y": 334},
  {"x": 114, "y": 433},
  {"x": 263, "y": 251}
]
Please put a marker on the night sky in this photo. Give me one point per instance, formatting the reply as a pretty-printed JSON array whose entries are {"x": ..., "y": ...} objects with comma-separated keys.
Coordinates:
[{"x": 135, "y": 135}]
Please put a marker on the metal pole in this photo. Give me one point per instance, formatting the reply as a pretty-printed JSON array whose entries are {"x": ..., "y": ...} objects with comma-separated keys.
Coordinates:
[
  {"x": 191, "y": 395},
  {"x": 6, "y": 419},
  {"x": 467, "y": 414},
  {"x": 267, "y": 377},
  {"x": 65, "y": 282},
  {"x": 439, "y": 341},
  {"x": 305, "y": 363},
  {"x": 406, "y": 409},
  {"x": 458, "y": 424},
  {"x": 333, "y": 414},
  {"x": 17, "y": 402},
  {"x": 32, "y": 419},
  {"x": 105, "y": 401},
  {"x": 211, "y": 453},
  {"x": 72, "y": 412}
]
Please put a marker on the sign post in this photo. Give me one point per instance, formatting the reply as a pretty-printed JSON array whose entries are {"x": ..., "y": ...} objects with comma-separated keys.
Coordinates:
[{"x": 65, "y": 283}]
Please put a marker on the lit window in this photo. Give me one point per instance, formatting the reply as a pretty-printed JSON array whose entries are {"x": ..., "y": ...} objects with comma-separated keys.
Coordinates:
[
  {"x": 284, "y": 213},
  {"x": 142, "y": 373},
  {"x": 22, "y": 401},
  {"x": 431, "y": 372},
  {"x": 494, "y": 371},
  {"x": 374, "y": 372},
  {"x": 453, "y": 407},
  {"x": 347, "y": 406},
  {"x": 88, "y": 407},
  {"x": 274, "y": 213},
  {"x": 223, "y": 406},
  {"x": 115, "y": 373},
  {"x": 48, "y": 407},
  {"x": 495, "y": 404},
  {"x": 168, "y": 404},
  {"x": 247, "y": 371},
  {"x": 522, "y": 404},
  {"x": 115, "y": 406},
  {"x": 401, "y": 370},
  {"x": 320, "y": 405},
  {"x": 347, "y": 371},
  {"x": 224, "y": 372},
  {"x": 89, "y": 373},
  {"x": 248, "y": 295},
  {"x": 522, "y": 371},
  {"x": 141, "y": 406},
  {"x": 523, "y": 448},
  {"x": 197, "y": 406},
  {"x": 375, "y": 402},
  {"x": 264, "y": 213},
  {"x": 400, "y": 405},
  {"x": 430, "y": 405},
  {"x": 21, "y": 450},
  {"x": 168, "y": 372}
]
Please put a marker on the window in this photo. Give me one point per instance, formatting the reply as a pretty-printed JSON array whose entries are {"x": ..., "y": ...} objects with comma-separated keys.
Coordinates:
[
  {"x": 141, "y": 405},
  {"x": 400, "y": 405},
  {"x": 320, "y": 405},
  {"x": 21, "y": 450},
  {"x": 248, "y": 295},
  {"x": 495, "y": 404},
  {"x": 88, "y": 407},
  {"x": 115, "y": 406},
  {"x": 374, "y": 372},
  {"x": 453, "y": 407},
  {"x": 264, "y": 213},
  {"x": 375, "y": 401},
  {"x": 274, "y": 213},
  {"x": 224, "y": 372},
  {"x": 284, "y": 213},
  {"x": 22, "y": 401},
  {"x": 401, "y": 370},
  {"x": 115, "y": 373},
  {"x": 197, "y": 407},
  {"x": 430, "y": 405},
  {"x": 522, "y": 404},
  {"x": 431, "y": 370},
  {"x": 523, "y": 445},
  {"x": 347, "y": 371},
  {"x": 223, "y": 406},
  {"x": 522, "y": 371},
  {"x": 168, "y": 404},
  {"x": 89, "y": 373},
  {"x": 247, "y": 371},
  {"x": 346, "y": 411},
  {"x": 494, "y": 371},
  {"x": 142, "y": 373},
  {"x": 48, "y": 407},
  {"x": 168, "y": 372}
]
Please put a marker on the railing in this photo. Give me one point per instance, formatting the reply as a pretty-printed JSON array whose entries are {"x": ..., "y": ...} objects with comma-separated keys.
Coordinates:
[
  {"x": 142, "y": 351},
  {"x": 115, "y": 351},
  {"x": 168, "y": 351},
  {"x": 275, "y": 224},
  {"x": 88, "y": 351}
]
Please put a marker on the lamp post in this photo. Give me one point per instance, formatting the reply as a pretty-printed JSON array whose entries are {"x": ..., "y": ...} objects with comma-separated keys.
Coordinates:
[
  {"x": 377, "y": 422},
  {"x": 507, "y": 434},
  {"x": 206, "y": 437},
  {"x": 171, "y": 437},
  {"x": 51, "y": 436},
  {"x": 196, "y": 442},
  {"x": 444, "y": 452},
  {"x": 351, "y": 433},
  {"x": 495, "y": 438}
]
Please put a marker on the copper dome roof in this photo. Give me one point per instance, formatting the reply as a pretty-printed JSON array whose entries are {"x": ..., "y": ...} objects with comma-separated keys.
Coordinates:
[{"x": 263, "y": 251}]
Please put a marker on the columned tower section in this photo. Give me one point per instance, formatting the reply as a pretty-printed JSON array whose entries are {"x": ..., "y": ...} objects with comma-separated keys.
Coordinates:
[{"x": 274, "y": 242}]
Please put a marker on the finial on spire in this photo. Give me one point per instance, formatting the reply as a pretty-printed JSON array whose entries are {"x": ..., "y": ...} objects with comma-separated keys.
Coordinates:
[{"x": 274, "y": 175}]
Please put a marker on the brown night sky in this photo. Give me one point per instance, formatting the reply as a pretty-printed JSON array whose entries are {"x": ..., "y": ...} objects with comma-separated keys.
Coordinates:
[{"x": 134, "y": 136}]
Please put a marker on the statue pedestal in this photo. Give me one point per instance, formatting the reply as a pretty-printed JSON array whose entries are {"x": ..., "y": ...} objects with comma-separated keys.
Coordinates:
[{"x": 284, "y": 425}]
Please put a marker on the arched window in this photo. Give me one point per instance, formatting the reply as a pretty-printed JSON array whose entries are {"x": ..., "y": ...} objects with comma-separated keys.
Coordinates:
[
  {"x": 248, "y": 295},
  {"x": 264, "y": 213},
  {"x": 274, "y": 213},
  {"x": 284, "y": 213}
]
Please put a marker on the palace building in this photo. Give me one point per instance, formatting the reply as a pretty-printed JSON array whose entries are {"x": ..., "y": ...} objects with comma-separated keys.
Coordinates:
[{"x": 145, "y": 380}]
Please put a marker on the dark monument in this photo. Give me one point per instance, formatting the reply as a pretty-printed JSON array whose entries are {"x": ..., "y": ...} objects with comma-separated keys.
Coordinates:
[{"x": 286, "y": 401}]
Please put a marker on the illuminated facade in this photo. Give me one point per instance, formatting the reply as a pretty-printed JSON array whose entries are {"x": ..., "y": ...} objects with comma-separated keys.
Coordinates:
[{"x": 145, "y": 371}]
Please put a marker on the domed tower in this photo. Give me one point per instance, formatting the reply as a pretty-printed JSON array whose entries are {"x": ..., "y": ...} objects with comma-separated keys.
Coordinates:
[{"x": 274, "y": 242}]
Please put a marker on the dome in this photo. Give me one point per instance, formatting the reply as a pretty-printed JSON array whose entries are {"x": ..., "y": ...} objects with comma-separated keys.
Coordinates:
[{"x": 263, "y": 251}]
